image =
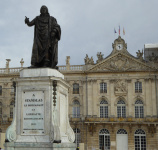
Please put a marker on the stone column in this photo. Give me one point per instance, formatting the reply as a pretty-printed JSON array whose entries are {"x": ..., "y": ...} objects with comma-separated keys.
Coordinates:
[
  {"x": 112, "y": 98},
  {"x": 67, "y": 63},
  {"x": 7, "y": 65},
  {"x": 148, "y": 97},
  {"x": 89, "y": 97},
  {"x": 130, "y": 97},
  {"x": 153, "y": 97}
]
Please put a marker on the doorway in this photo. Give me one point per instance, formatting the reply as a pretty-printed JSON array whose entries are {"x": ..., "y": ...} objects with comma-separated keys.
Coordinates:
[{"x": 122, "y": 139}]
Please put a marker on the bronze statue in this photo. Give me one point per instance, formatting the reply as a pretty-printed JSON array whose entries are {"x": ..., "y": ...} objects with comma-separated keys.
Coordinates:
[{"x": 47, "y": 33}]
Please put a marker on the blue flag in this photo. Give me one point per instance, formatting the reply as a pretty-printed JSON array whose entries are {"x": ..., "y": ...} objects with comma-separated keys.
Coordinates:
[{"x": 115, "y": 31}]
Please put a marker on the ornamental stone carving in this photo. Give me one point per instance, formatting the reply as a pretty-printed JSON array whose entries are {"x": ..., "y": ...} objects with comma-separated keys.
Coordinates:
[
  {"x": 67, "y": 60},
  {"x": 121, "y": 62},
  {"x": 7, "y": 62},
  {"x": 118, "y": 41},
  {"x": 88, "y": 61},
  {"x": 140, "y": 55},
  {"x": 100, "y": 57},
  {"x": 153, "y": 57},
  {"x": 10, "y": 135},
  {"x": 71, "y": 135},
  {"x": 22, "y": 62},
  {"x": 120, "y": 87}
]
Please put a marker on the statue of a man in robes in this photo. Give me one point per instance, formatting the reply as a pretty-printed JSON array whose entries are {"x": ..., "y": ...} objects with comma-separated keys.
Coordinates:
[{"x": 47, "y": 33}]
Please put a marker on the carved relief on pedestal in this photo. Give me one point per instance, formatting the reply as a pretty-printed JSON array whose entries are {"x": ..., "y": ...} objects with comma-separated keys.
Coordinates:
[{"x": 120, "y": 87}]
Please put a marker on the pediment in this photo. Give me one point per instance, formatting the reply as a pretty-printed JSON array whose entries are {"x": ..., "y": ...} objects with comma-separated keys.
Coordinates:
[{"x": 121, "y": 62}]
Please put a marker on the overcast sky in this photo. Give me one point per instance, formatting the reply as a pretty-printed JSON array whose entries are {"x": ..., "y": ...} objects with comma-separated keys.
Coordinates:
[{"x": 87, "y": 27}]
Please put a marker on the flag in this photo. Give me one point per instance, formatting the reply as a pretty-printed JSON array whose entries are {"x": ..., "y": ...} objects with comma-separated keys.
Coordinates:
[
  {"x": 123, "y": 31},
  {"x": 119, "y": 29},
  {"x": 115, "y": 31}
]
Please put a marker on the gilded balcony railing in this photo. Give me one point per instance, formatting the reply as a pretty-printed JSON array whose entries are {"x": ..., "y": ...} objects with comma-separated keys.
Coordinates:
[{"x": 115, "y": 119}]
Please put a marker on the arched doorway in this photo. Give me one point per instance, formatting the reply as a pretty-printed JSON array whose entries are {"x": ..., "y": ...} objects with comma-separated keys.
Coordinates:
[
  {"x": 140, "y": 139},
  {"x": 122, "y": 139},
  {"x": 104, "y": 139},
  {"x": 77, "y": 136}
]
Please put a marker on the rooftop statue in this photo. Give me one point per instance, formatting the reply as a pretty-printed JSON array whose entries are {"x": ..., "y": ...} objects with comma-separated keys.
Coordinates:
[{"x": 47, "y": 33}]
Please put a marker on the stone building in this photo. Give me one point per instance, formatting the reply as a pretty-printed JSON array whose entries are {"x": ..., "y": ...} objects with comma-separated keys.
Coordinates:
[{"x": 113, "y": 103}]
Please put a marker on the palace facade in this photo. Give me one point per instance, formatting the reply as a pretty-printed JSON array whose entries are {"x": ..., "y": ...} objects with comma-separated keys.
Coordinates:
[{"x": 113, "y": 103}]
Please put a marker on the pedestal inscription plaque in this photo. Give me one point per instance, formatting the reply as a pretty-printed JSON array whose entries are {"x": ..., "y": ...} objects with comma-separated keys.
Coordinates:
[{"x": 33, "y": 113}]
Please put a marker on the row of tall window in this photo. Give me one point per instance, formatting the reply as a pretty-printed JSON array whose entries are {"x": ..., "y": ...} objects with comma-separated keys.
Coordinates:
[
  {"x": 121, "y": 109},
  {"x": 103, "y": 87},
  {"x": 138, "y": 87},
  {"x": 104, "y": 138},
  {"x": 11, "y": 109},
  {"x": 12, "y": 90},
  {"x": 139, "y": 139}
]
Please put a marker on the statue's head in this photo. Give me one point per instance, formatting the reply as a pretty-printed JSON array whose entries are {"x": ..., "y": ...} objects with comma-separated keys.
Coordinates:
[{"x": 44, "y": 10}]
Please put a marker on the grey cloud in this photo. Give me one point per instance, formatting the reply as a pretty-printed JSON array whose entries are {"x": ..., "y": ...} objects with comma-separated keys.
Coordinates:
[{"x": 87, "y": 27}]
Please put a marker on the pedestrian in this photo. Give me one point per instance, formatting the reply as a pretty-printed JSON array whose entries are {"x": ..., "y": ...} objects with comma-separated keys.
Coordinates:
[{"x": 77, "y": 148}]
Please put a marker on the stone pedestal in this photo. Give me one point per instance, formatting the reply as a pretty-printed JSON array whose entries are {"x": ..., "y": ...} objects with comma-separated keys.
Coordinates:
[{"x": 41, "y": 112}]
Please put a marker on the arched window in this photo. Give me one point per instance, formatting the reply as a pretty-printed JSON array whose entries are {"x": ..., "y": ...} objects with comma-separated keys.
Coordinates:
[
  {"x": 121, "y": 131},
  {"x": 139, "y": 109},
  {"x": 104, "y": 139},
  {"x": 103, "y": 87},
  {"x": 0, "y": 109},
  {"x": 140, "y": 139},
  {"x": 138, "y": 87},
  {"x": 103, "y": 109},
  {"x": 122, "y": 139},
  {"x": 11, "y": 108},
  {"x": 75, "y": 88},
  {"x": 121, "y": 109},
  {"x": 77, "y": 136},
  {"x": 0, "y": 90},
  {"x": 76, "y": 109}
]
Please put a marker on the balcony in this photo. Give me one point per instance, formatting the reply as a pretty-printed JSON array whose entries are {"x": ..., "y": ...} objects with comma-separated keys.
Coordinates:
[
  {"x": 75, "y": 91},
  {"x": 123, "y": 120},
  {"x": 76, "y": 117},
  {"x": 103, "y": 91},
  {"x": 138, "y": 91}
]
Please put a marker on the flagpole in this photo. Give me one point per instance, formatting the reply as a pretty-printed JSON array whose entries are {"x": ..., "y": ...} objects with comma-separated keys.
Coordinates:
[
  {"x": 123, "y": 33},
  {"x": 119, "y": 29},
  {"x": 114, "y": 33}
]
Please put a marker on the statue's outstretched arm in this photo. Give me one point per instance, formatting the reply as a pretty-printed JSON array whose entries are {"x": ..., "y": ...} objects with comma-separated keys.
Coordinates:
[
  {"x": 31, "y": 23},
  {"x": 28, "y": 22}
]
